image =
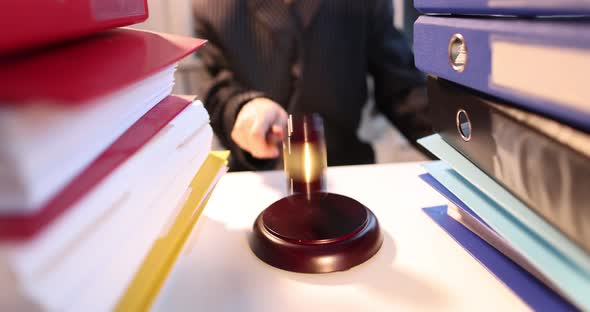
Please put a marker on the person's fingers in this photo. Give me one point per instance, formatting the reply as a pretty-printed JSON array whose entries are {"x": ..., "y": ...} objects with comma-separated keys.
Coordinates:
[
  {"x": 260, "y": 146},
  {"x": 239, "y": 134},
  {"x": 280, "y": 122},
  {"x": 259, "y": 128},
  {"x": 276, "y": 135},
  {"x": 277, "y": 130},
  {"x": 246, "y": 134}
]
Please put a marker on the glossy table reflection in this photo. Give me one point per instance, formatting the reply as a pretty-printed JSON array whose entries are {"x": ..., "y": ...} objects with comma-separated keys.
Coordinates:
[{"x": 419, "y": 267}]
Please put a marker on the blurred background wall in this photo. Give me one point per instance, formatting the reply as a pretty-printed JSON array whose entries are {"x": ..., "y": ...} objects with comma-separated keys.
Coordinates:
[{"x": 174, "y": 16}]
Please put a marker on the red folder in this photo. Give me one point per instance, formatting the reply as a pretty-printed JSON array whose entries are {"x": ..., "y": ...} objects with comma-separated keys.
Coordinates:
[
  {"x": 79, "y": 71},
  {"x": 24, "y": 227},
  {"x": 32, "y": 23}
]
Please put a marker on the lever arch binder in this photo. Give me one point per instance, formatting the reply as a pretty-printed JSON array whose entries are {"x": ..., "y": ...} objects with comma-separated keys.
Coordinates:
[
  {"x": 541, "y": 65},
  {"x": 505, "y": 7},
  {"x": 540, "y": 161}
]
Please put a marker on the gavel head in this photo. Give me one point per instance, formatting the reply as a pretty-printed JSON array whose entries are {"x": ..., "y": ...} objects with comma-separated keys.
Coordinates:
[
  {"x": 304, "y": 153},
  {"x": 310, "y": 230}
]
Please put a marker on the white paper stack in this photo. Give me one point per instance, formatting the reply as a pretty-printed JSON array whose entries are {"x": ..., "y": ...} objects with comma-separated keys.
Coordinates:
[
  {"x": 74, "y": 251},
  {"x": 94, "y": 163},
  {"x": 37, "y": 138}
]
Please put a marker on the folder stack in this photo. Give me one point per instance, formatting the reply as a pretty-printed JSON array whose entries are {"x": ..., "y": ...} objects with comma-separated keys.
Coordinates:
[
  {"x": 510, "y": 104},
  {"x": 100, "y": 166}
]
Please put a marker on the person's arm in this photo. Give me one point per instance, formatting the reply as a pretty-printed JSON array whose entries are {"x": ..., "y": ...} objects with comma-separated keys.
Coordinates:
[
  {"x": 400, "y": 92},
  {"x": 225, "y": 97}
]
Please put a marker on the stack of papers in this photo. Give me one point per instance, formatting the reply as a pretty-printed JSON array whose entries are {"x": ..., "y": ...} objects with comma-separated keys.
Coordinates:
[
  {"x": 36, "y": 138},
  {"x": 71, "y": 102},
  {"x": 96, "y": 175}
]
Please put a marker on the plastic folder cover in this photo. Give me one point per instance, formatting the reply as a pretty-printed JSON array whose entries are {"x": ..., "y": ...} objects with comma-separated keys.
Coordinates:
[
  {"x": 79, "y": 71},
  {"x": 30, "y": 23},
  {"x": 554, "y": 255},
  {"x": 465, "y": 170},
  {"x": 523, "y": 284},
  {"x": 572, "y": 281}
]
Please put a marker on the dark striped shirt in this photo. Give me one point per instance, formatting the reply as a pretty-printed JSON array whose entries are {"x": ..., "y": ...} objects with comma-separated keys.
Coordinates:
[{"x": 310, "y": 56}]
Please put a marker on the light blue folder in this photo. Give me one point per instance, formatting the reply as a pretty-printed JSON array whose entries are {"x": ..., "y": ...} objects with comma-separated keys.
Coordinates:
[{"x": 567, "y": 265}]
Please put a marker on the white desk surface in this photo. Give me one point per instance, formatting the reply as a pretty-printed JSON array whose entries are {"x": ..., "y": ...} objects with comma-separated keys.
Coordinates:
[{"x": 419, "y": 267}]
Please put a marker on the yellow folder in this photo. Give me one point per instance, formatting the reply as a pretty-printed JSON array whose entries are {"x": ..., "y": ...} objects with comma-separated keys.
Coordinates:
[{"x": 157, "y": 265}]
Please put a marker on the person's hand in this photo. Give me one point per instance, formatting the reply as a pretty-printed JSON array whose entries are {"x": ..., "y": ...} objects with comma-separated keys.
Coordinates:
[{"x": 259, "y": 127}]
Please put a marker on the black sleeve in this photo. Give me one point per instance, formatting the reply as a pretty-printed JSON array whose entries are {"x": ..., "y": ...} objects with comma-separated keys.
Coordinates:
[
  {"x": 223, "y": 96},
  {"x": 400, "y": 91}
]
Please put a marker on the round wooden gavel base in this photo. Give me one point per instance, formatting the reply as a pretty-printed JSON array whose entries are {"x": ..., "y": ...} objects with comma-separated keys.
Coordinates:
[{"x": 315, "y": 233}]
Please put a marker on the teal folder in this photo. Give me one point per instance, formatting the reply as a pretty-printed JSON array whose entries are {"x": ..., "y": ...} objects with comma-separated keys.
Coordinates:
[{"x": 566, "y": 264}]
